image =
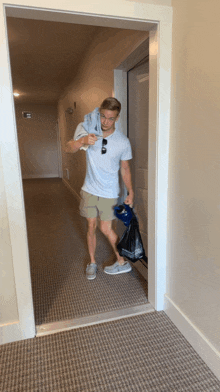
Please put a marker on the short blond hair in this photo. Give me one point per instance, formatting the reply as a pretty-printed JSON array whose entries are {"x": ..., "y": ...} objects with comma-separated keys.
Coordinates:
[{"x": 111, "y": 104}]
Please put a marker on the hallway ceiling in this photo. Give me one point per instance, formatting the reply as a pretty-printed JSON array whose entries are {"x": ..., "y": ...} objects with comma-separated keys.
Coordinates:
[{"x": 45, "y": 56}]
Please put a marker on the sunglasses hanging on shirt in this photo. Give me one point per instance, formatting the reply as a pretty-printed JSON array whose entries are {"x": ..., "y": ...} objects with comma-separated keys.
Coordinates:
[{"x": 104, "y": 149}]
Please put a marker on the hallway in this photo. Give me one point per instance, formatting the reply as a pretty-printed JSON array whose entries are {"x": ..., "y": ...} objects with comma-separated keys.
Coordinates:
[{"x": 58, "y": 258}]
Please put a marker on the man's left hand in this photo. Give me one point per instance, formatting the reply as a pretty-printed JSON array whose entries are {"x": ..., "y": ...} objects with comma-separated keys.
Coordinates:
[{"x": 130, "y": 199}]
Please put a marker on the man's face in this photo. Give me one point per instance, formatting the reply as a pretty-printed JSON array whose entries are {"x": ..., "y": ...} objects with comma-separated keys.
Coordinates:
[{"x": 108, "y": 119}]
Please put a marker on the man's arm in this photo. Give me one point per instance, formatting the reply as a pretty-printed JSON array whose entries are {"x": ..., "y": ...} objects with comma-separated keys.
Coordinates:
[
  {"x": 74, "y": 145},
  {"x": 126, "y": 176}
]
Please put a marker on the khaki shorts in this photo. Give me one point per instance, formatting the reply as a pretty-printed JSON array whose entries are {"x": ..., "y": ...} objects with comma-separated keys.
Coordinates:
[{"x": 92, "y": 206}]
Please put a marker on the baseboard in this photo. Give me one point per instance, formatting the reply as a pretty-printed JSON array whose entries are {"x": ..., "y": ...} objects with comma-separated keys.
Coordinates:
[
  {"x": 32, "y": 176},
  {"x": 205, "y": 349},
  {"x": 71, "y": 189}
]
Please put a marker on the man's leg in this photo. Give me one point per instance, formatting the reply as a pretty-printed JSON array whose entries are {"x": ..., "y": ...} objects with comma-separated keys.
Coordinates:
[
  {"x": 89, "y": 211},
  {"x": 91, "y": 237},
  {"x": 106, "y": 228},
  {"x": 91, "y": 268}
]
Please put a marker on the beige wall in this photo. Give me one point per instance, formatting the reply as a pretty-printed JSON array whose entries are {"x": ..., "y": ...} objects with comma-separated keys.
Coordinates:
[
  {"x": 193, "y": 279},
  {"x": 156, "y": 2},
  {"x": 93, "y": 83},
  {"x": 37, "y": 138}
]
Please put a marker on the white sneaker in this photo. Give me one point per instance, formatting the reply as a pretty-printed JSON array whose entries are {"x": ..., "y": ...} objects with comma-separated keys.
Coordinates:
[
  {"x": 116, "y": 268},
  {"x": 91, "y": 271}
]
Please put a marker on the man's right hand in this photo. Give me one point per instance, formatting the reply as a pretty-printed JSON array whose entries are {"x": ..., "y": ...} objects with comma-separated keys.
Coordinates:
[
  {"x": 90, "y": 139},
  {"x": 74, "y": 145}
]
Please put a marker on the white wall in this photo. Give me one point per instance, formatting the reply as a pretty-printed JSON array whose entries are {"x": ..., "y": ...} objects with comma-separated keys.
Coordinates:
[
  {"x": 37, "y": 138},
  {"x": 193, "y": 270}
]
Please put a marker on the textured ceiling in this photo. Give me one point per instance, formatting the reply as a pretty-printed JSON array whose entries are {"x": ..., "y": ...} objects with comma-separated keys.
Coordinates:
[{"x": 45, "y": 56}]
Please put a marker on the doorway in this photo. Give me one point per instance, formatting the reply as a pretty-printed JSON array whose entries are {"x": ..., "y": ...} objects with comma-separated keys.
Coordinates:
[
  {"x": 56, "y": 236},
  {"x": 14, "y": 163}
]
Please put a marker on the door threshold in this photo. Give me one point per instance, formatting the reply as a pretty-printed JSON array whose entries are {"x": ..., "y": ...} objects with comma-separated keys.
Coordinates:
[{"x": 80, "y": 322}]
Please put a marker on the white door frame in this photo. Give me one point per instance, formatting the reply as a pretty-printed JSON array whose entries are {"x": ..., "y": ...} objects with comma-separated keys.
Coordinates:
[{"x": 120, "y": 14}]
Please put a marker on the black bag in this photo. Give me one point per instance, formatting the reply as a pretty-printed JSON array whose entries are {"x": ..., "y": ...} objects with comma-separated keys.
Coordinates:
[{"x": 130, "y": 244}]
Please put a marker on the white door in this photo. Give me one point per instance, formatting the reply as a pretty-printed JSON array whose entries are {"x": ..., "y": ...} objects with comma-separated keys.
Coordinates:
[
  {"x": 16, "y": 305},
  {"x": 138, "y": 108}
]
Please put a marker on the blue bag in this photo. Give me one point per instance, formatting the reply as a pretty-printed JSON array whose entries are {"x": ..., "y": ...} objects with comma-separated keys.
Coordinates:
[{"x": 124, "y": 213}]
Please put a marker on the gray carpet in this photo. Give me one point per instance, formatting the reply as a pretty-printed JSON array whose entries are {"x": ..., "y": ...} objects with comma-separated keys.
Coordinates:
[
  {"x": 145, "y": 353},
  {"x": 59, "y": 256}
]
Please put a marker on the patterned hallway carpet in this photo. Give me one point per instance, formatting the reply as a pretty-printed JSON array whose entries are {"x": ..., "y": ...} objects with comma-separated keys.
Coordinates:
[
  {"x": 59, "y": 256},
  {"x": 144, "y": 353}
]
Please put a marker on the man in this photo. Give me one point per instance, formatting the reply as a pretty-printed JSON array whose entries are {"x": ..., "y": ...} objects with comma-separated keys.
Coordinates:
[{"x": 107, "y": 151}]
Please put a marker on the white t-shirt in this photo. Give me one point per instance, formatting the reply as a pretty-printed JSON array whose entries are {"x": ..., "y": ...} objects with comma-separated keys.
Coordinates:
[{"x": 102, "y": 174}]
